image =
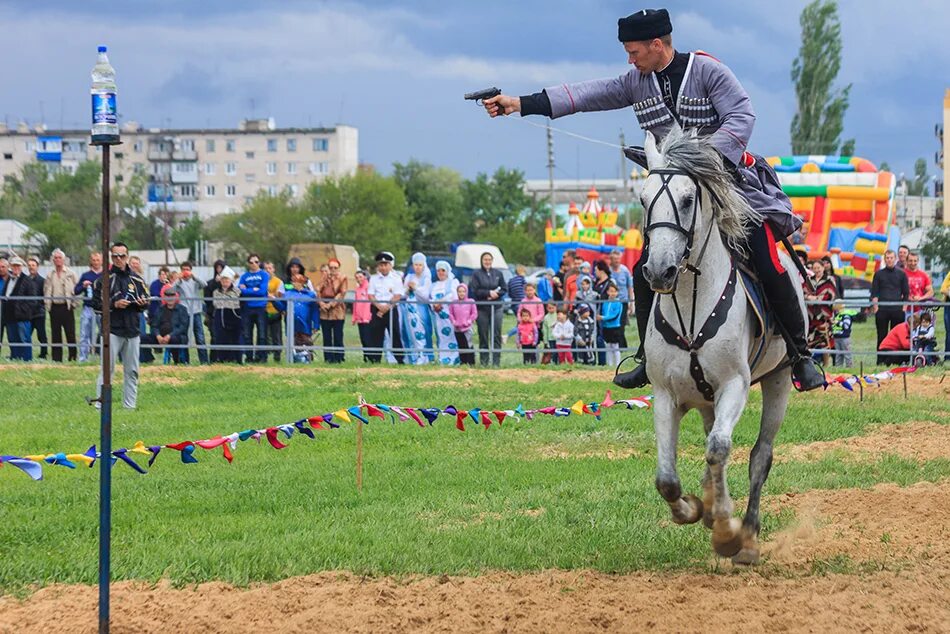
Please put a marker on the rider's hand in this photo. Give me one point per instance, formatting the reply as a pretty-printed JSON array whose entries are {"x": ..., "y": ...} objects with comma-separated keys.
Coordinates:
[{"x": 502, "y": 105}]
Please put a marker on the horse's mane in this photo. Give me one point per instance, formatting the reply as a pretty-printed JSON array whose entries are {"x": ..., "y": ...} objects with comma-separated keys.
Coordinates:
[{"x": 696, "y": 156}]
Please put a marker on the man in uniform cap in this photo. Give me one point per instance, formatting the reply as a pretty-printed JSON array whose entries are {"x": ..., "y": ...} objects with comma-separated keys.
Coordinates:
[
  {"x": 385, "y": 291},
  {"x": 694, "y": 91}
]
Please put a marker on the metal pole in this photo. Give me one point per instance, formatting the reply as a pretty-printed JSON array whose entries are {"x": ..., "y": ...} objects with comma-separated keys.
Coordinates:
[
  {"x": 551, "y": 176},
  {"x": 289, "y": 338},
  {"x": 105, "y": 419},
  {"x": 491, "y": 334}
]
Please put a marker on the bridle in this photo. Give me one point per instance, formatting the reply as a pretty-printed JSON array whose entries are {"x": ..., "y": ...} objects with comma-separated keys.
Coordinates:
[{"x": 683, "y": 339}]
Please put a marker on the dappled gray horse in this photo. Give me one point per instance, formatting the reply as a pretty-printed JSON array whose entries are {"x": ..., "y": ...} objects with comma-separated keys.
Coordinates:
[{"x": 701, "y": 337}]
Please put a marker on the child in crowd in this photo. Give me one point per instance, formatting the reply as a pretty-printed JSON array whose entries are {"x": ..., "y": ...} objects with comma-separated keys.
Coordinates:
[
  {"x": 924, "y": 339},
  {"x": 585, "y": 334},
  {"x": 527, "y": 336},
  {"x": 226, "y": 318},
  {"x": 306, "y": 316},
  {"x": 841, "y": 331},
  {"x": 610, "y": 315},
  {"x": 585, "y": 295},
  {"x": 563, "y": 333},
  {"x": 462, "y": 315},
  {"x": 547, "y": 329}
]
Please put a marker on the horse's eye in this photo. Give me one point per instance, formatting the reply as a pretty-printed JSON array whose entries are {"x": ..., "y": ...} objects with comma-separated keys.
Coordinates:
[{"x": 688, "y": 202}]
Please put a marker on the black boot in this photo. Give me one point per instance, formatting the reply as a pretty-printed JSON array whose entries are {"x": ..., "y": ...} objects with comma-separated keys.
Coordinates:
[
  {"x": 806, "y": 373},
  {"x": 642, "y": 305}
]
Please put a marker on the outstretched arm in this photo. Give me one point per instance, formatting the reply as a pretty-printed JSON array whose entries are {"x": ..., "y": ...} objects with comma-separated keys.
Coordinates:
[{"x": 558, "y": 101}]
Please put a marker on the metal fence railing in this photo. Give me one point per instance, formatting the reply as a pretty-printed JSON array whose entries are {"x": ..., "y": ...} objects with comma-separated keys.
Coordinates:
[{"x": 382, "y": 338}]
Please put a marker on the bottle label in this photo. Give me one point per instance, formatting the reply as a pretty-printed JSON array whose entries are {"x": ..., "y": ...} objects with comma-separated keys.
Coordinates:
[{"x": 103, "y": 108}]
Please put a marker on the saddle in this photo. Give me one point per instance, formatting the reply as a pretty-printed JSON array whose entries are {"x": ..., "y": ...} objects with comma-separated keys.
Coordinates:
[{"x": 761, "y": 314}]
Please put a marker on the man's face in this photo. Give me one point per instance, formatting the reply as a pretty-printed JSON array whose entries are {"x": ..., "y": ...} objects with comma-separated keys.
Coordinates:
[
  {"x": 912, "y": 261},
  {"x": 253, "y": 265},
  {"x": 269, "y": 267},
  {"x": 902, "y": 254},
  {"x": 614, "y": 258},
  {"x": 16, "y": 269},
  {"x": 3, "y": 268},
  {"x": 171, "y": 300},
  {"x": 890, "y": 260},
  {"x": 163, "y": 277},
  {"x": 135, "y": 264},
  {"x": 186, "y": 272},
  {"x": 95, "y": 261},
  {"x": 33, "y": 266},
  {"x": 120, "y": 257},
  {"x": 646, "y": 56},
  {"x": 578, "y": 263},
  {"x": 384, "y": 267},
  {"x": 59, "y": 260}
]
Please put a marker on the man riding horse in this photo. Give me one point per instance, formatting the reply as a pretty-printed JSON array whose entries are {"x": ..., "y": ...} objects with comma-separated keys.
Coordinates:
[{"x": 695, "y": 91}]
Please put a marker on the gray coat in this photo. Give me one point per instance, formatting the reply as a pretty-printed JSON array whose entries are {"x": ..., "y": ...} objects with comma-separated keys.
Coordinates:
[{"x": 711, "y": 100}]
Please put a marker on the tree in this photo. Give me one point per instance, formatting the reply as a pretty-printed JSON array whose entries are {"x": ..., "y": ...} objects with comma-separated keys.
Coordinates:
[
  {"x": 516, "y": 242},
  {"x": 191, "y": 231},
  {"x": 819, "y": 119},
  {"x": 885, "y": 166},
  {"x": 267, "y": 225},
  {"x": 435, "y": 199},
  {"x": 918, "y": 186},
  {"x": 936, "y": 244},
  {"x": 847, "y": 148},
  {"x": 367, "y": 211}
]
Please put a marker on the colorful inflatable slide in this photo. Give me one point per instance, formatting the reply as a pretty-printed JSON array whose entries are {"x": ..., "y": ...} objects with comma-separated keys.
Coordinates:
[{"x": 847, "y": 206}]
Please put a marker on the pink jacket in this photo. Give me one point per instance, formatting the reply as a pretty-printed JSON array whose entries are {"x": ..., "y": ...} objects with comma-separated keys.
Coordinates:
[
  {"x": 462, "y": 315},
  {"x": 361, "y": 311},
  {"x": 533, "y": 306}
]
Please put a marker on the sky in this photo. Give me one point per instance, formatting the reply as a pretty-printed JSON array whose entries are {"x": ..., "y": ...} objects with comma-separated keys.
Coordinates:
[{"x": 397, "y": 71}]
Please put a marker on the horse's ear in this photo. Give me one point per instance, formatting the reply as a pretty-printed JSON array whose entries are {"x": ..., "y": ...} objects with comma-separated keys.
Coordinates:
[{"x": 654, "y": 159}]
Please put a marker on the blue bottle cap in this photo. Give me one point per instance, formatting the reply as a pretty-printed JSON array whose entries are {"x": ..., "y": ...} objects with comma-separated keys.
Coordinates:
[{"x": 102, "y": 49}]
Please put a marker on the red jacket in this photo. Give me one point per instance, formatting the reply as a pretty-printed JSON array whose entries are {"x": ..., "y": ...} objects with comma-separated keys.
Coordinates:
[{"x": 897, "y": 339}]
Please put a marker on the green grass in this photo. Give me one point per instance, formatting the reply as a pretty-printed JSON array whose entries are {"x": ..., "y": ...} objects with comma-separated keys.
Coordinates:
[{"x": 434, "y": 501}]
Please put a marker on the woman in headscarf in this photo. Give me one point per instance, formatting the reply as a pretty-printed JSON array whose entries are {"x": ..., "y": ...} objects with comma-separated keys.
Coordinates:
[
  {"x": 444, "y": 289},
  {"x": 416, "y": 325}
]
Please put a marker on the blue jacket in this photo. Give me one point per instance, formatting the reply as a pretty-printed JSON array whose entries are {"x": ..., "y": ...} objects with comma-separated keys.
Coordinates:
[
  {"x": 306, "y": 313},
  {"x": 93, "y": 277},
  {"x": 611, "y": 311},
  {"x": 254, "y": 285}
]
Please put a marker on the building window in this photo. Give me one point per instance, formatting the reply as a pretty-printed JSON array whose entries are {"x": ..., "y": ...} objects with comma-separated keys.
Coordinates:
[
  {"x": 320, "y": 168},
  {"x": 321, "y": 145},
  {"x": 291, "y": 145},
  {"x": 185, "y": 168},
  {"x": 209, "y": 169},
  {"x": 248, "y": 200},
  {"x": 137, "y": 146},
  {"x": 271, "y": 168},
  {"x": 8, "y": 156},
  {"x": 293, "y": 190},
  {"x": 249, "y": 155},
  {"x": 188, "y": 145},
  {"x": 291, "y": 168},
  {"x": 230, "y": 145},
  {"x": 230, "y": 191},
  {"x": 209, "y": 191},
  {"x": 271, "y": 145},
  {"x": 119, "y": 178},
  {"x": 230, "y": 169},
  {"x": 249, "y": 178},
  {"x": 30, "y": 146},
  {"x": 272, "y": 190},
  {"x": 188, "y": 191},
  {"x": 209, "y": 145},
  {"x": 120, "y": 155},
  {"x": 138, "y": 168}
]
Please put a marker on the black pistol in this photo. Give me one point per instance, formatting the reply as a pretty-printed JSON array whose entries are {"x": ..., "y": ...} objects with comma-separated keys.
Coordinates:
[{"x": 480, "y": 95}]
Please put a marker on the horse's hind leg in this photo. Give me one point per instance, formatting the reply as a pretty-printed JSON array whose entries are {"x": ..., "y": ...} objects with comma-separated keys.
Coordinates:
[
  {"x": 730, "y": 401},
  {"x": 666, "y": 421},
  {"x": 775, "y": 391},
  {"x": 709, "y": 417}
]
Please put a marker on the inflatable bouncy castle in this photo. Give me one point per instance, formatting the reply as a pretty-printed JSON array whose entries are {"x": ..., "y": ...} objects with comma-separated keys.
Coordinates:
[
  {"x": 593, "y": 233},
  {"x": 847, "y": 205}
]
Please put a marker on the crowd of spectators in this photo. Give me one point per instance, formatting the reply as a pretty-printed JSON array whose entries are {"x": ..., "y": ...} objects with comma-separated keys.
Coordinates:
[{"x": 577, "y": 314}]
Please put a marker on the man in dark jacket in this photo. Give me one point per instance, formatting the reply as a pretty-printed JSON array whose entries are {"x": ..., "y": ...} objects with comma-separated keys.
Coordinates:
[
  {"x": 889, "y": 284},
  {"x": 18, "y": 312},
  {"x": 128, "y": 296},
  {"x": 488, "y": 285},
  {"x": 170, "y": 327},
  {"x": 38, "y": 317}
]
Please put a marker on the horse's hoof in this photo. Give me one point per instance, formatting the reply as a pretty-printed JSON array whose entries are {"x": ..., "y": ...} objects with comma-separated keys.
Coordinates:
[
  {"x": 727, "y": 541},
  {"x": 695, "y": 510},
  {"x": 746, "y": 557}
]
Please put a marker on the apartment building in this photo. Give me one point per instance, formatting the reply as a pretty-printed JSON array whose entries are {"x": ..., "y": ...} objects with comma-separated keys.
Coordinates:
[{"x": 198, "y": 171}]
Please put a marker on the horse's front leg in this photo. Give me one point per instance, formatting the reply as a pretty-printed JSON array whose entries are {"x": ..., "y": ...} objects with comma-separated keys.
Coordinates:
[
  {"x": 730, "y": 401},
  {"x": 666, "y": 422}
]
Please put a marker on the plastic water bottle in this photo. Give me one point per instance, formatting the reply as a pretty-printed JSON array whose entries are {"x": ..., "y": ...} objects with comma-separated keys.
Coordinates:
[{"x": 105, "y": 124}]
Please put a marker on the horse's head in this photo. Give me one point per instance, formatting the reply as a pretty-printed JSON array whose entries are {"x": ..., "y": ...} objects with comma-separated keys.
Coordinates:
[{"x": 687, "y": 189}]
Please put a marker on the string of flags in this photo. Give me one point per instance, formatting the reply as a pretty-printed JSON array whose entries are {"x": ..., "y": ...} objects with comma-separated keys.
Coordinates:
[
  {"x": 32, "y": 465},
  {"x": 849, "y": 381}
]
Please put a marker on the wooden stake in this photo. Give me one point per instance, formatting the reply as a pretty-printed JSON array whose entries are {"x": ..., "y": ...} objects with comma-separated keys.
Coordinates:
[
  {"x": 904, "y": 376},
  {"x": 359, "y": 451}
]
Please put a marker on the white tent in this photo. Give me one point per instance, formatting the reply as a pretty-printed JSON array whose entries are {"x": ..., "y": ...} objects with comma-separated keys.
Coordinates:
[
  {"x": 468, "y": 256},
  {"x": 13, "y": 238}
]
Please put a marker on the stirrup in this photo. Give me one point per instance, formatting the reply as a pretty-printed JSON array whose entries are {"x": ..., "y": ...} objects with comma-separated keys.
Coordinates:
[
  {"x": 633, "y": 379},
  {"x": 808, "y": 365}
]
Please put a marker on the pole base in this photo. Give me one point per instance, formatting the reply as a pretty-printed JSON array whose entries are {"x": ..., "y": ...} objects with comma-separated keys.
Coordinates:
[{"x": 105, "y": 139}]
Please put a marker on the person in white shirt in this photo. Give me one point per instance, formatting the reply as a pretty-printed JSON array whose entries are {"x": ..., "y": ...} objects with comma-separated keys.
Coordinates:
[{"x": 385, "y": 290}]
